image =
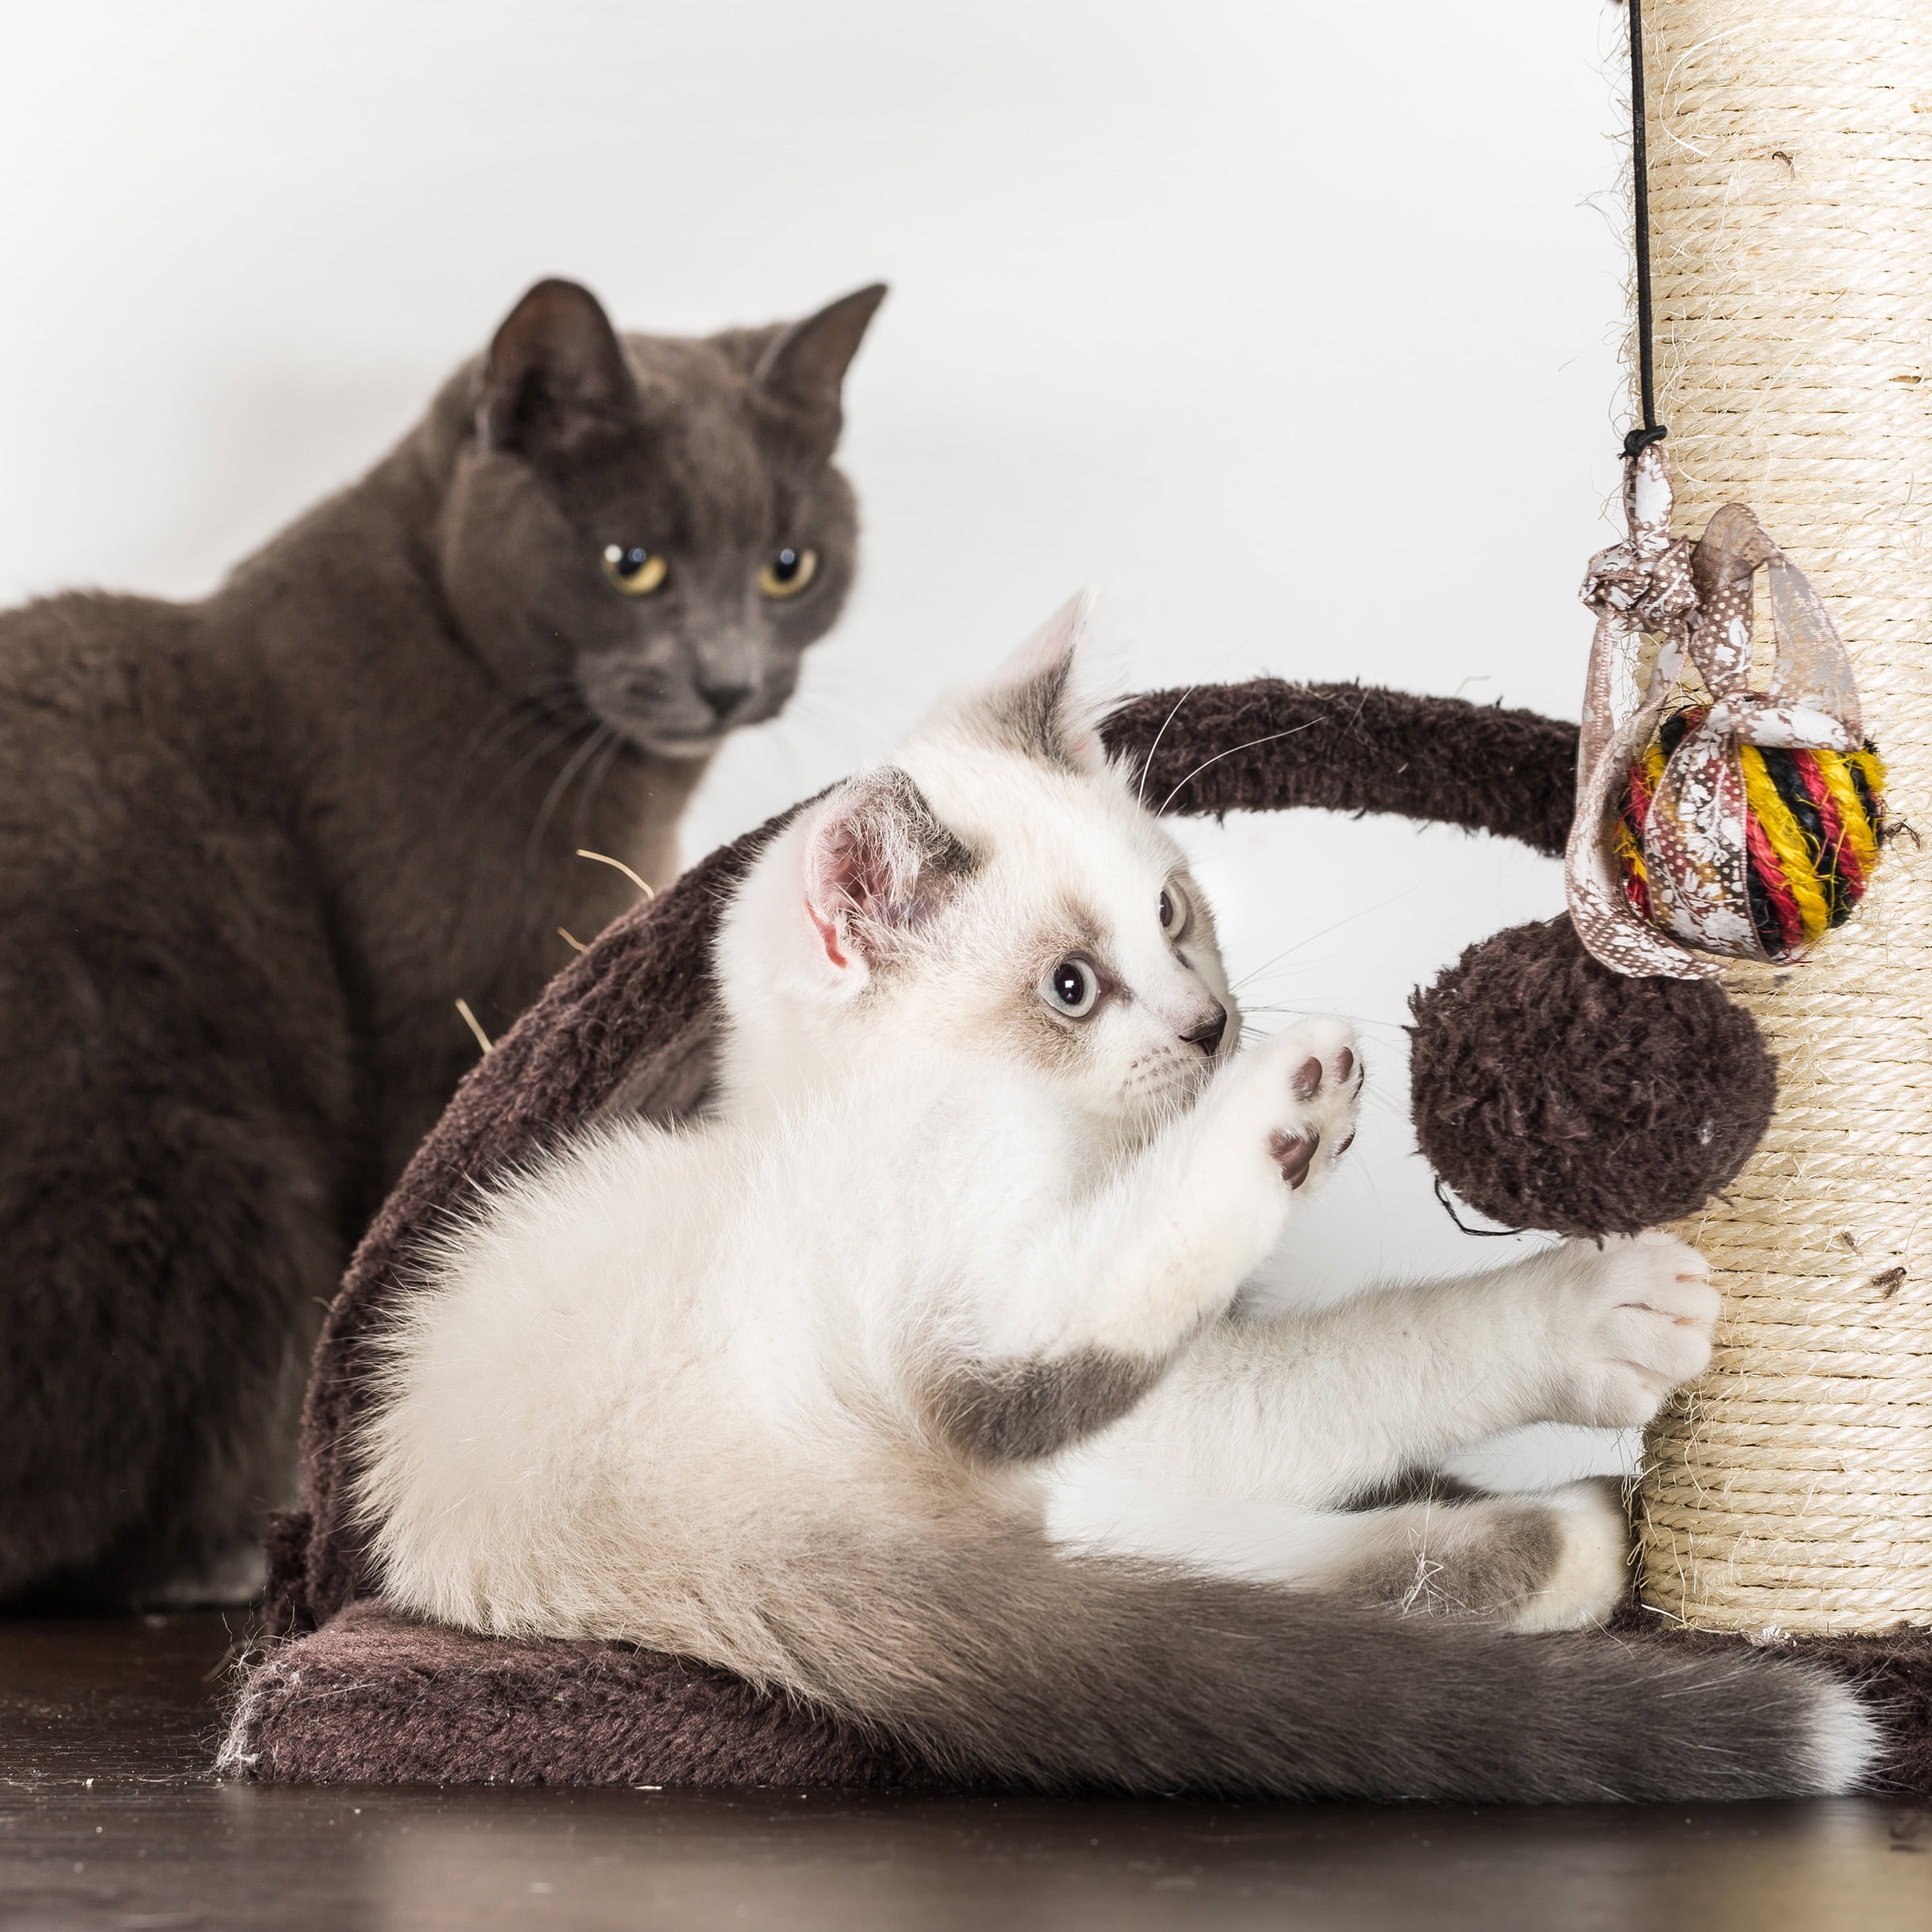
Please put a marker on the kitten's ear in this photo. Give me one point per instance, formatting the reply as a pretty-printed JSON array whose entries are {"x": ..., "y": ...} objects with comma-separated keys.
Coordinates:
[
  {"x": 877, "y": 863},
  {"x": 803, "y": 369},
  {"x": 555, "y": 382},
  {"x": 1034, "y": 705}
]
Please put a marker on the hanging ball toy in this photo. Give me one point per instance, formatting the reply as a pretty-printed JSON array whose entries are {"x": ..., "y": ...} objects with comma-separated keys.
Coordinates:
[
  {"x": 1717, "y": 818},
  {"x": 1814, "y": 819}
]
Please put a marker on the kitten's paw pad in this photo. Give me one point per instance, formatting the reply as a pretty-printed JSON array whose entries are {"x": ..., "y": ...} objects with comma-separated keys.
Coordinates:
[
  {"x": 1639, "y": 1324},
  {"x": 1314, "y": 1122},
  {"x": 1294, "y": 1154}
]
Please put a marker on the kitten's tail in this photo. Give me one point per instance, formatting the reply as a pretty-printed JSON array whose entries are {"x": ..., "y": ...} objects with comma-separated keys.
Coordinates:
[{"x": 1003, "y": 1660}]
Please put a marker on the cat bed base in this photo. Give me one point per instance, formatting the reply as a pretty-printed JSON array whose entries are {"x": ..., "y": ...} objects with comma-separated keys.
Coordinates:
[{"x": 375, "y": 1696}]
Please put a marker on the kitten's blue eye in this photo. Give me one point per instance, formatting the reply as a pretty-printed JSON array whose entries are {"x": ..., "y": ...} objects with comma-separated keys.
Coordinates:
[
  {"x": 787, "y": 573},
  {"x": 1071, "y": 988},
  {"x": 1174, "y": 912},
  {"x": 632, "y": 569}
]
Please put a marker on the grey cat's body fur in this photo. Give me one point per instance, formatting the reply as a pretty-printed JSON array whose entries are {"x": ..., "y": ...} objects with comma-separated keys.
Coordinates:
[{"x": 252, "y": 850}]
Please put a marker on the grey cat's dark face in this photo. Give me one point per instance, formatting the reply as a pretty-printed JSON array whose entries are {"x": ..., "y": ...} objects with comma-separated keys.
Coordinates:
[{"x": 648, "y": 531}]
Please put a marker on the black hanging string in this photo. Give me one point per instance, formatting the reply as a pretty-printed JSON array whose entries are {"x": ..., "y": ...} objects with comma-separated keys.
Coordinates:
[
  {"x": 1653, "y": 430},
  {"x": 1448, "y": 1202}
]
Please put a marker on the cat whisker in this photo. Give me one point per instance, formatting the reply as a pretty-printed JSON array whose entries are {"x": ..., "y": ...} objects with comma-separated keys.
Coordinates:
[
  {"x": 1309, "y": 938},
  {"x": 1271, "y": 738},
  {"x": 1140, "y": 793},
  {"x": 599, "y": 770},
  {"x": 1355, "y": 1019},
  {"x": 826, "y": 717},
  {"x": 518, "y": 710},
  {"x": 561, "y": 785},
  {"x": 553, "y": 741}
]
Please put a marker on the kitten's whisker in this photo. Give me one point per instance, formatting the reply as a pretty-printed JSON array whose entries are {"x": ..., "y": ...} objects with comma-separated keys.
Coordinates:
[
  {"x": 1271, "y": 738},
  {"x": 1309, "y": 938},
  {"x": 1140, "y": 793}
]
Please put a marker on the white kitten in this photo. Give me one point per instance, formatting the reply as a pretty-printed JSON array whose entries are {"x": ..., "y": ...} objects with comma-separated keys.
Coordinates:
[{"x": 786, "y": 1389}]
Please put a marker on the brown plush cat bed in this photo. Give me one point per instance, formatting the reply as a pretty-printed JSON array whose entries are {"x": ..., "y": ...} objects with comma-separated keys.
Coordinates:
[{"x": 347, "y": 1690}]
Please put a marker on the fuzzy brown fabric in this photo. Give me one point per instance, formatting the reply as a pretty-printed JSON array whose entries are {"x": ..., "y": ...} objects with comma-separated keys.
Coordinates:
[
  {"x": 1548, "y": 1091},
  {"x": 1353, "y": 748},
  {"x": 377, "y": 1697},
  {"x": 372, "y": 1696}
]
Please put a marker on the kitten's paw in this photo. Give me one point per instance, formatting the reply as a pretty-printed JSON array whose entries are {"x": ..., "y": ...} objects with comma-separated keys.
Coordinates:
[
  {"x": 1309, "y": 1082},
  {"x": 1636, "y": 1323},
  {"x": 1590, "y": 1566},
  {"x": 1559, "y": 1561}
]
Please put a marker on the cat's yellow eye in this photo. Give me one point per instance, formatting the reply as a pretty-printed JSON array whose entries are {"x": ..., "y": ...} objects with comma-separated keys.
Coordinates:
[
  {"x": 633, "y": 570},
  {"x": 788, "y": 572}
]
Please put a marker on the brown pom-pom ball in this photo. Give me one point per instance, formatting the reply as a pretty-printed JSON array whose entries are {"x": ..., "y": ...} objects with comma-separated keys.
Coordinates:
[{"x": 1548, "y": 1091}]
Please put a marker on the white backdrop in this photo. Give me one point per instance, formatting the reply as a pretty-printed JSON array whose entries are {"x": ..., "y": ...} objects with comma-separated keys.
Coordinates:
[{"x": 1292, "y": 325}]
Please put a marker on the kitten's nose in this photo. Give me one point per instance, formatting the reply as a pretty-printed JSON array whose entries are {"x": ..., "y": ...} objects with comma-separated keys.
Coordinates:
[
  {"x": 1207, "y": 1035},
  {"x": 723, "y": 698}
]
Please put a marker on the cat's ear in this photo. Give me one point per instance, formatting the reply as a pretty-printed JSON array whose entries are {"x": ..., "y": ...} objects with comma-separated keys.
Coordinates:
[
  {"x": 878, "y": 863},
  {"x": 1034, "y": 704},
  {"x": 556, "y": 383},
  {"x": 803, "y": 368}
]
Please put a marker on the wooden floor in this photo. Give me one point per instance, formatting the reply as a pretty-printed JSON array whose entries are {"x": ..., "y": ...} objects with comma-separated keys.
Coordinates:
[{"x": 107, "y": 1818}]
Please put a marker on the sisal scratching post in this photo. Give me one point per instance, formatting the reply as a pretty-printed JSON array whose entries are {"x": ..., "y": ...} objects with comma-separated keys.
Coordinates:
[{"x": 1790, "y": 146}]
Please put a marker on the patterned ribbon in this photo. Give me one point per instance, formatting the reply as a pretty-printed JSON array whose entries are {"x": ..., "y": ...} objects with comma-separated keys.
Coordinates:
[{"x": 1697, "y": 603}]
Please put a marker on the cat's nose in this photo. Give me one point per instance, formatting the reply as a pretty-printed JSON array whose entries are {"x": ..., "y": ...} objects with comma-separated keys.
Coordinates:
[
  {"x": 1207, "y": 1035},
  {"x": 723, "y": 698}
]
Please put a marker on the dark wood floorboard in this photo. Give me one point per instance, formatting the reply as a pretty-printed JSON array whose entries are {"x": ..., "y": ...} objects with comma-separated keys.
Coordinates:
[{"x": 107, "y": 1818}]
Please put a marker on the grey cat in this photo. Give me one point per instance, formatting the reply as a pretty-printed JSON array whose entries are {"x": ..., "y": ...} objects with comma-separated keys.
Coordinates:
[{"x": 253, "y": 850}]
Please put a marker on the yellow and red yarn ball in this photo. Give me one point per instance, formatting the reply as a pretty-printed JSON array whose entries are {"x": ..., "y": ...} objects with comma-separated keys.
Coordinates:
[{"x": 1815, "y": 822}]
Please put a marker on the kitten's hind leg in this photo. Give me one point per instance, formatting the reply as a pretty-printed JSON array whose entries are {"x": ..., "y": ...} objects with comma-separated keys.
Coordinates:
[{"x": 1559, "y": 1561}]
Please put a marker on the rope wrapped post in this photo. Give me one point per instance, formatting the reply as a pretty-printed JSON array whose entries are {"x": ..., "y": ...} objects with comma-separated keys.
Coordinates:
[{"x": 1790, "y": 192}]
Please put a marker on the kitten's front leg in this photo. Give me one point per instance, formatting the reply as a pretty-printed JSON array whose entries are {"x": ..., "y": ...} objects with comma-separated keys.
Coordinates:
[
  {"x": 1315, "y": 1408},
  {"x": 1132, "y": 1271},
  {"x": 1167, "y": 1247}
]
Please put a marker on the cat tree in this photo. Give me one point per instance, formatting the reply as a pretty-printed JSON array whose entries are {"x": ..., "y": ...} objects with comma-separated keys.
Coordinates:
[{"x": 1790, "y": 195}]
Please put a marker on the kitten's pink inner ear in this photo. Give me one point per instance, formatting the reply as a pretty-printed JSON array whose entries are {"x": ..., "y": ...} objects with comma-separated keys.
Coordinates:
[
  {"x": 827, "y": 891},
  {"x": 827, "y": 930},
  {"x": 876, "y": 861},
  {"x": 844, "y": 878}
]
